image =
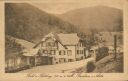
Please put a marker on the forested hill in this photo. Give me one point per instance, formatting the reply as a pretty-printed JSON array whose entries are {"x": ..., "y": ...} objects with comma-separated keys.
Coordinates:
[
  {"x": 96, "y": 18},
  {"x": 27, "y": 22}
]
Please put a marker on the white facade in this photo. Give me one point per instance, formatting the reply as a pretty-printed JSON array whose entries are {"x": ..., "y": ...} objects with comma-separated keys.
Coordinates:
[{"x": 62, "y": 49}]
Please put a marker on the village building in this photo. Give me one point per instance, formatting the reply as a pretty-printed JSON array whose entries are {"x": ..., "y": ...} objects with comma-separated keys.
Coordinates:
[
  {"x": 31, "y": 56},
  {"x": 61, "y": 48},
  {"x": 93, "y": 51},
  {"x": 18, "y": 60},
  {"x": 105, "y": 43}
]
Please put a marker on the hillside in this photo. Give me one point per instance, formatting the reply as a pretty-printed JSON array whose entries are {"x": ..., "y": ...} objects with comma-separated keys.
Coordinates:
[
  {"x": 96, "y": 18},
  {"x": 105, "y": 65},
  {"x": 108, "y": 65},
  {"x": 27, "y": 22}
]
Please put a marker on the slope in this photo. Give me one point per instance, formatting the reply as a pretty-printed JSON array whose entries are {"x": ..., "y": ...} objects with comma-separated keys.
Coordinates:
[
  {"x": 27, "y": 22},
  {"x": 96, "y": 18}
]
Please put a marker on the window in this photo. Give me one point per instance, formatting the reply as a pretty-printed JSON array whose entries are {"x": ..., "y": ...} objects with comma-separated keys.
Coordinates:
[
  {"x": 40, "y": 51},
  {"x": 52, "y": 44},
  {"x": 53, "y": 52},
  {"x": 81, "y": 51},
  {"x": 70, "y": 60},
  {"x": 45, "y": 51},
  {"x": 69, "y": 52},
  {"x": 77, "y": 51},
  {"x": 62, "y": 52},
  {"x": 91, "y": 51},
  {"x": 48, "y": 51},
  {"x": 80, "y": 44},
  {"x": 64, "y": 60},
  {"x": 48, "y": 43},
  {"x": 59, "y": 52}
]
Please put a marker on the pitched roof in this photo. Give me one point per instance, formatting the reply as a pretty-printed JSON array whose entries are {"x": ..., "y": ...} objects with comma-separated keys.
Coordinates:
[
  {"x": 23, "y": 43},
  {"x": 49, "y": 35},
  {"x": 69, "y": 39},
  {"x": 63, "y": 39},
  {"x": 30, "y": 52},
  {"x": 12, "y": 52}
]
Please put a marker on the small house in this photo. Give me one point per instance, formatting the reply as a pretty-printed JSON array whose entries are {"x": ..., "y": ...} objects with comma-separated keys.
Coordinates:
[{"x": 31, "y": 56}]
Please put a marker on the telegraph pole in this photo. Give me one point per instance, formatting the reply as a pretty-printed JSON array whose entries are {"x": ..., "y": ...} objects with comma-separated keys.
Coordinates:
[{"x": 115, "y": 46}]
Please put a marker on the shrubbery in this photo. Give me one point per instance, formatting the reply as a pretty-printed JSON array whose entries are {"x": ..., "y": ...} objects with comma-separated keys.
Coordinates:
[
  {"x": 90, "y": 66},
  {"x": 102, "y": 52}
]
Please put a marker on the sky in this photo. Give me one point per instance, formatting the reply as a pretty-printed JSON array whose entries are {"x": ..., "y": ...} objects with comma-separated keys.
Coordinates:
[{"x": 62, "y": 6}]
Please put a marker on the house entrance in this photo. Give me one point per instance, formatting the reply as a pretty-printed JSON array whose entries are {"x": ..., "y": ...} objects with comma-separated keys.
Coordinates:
[{"x": 32, "y": 61}]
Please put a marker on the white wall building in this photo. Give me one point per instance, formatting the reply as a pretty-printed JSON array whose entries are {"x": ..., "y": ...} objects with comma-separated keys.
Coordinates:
[{"x": 61, "y": 47}]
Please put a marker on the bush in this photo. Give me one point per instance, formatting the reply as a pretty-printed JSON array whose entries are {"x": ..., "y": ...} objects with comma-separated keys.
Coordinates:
[
  {"x": 90, "y": 66},
  {"x": 102, "y": 52}
]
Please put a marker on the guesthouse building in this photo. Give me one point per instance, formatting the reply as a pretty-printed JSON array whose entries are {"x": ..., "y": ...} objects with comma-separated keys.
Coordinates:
[{"x": 61, "y": 48}]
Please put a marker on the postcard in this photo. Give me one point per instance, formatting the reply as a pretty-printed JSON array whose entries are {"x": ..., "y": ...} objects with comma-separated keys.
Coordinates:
[{"x": 64, "y": 39}]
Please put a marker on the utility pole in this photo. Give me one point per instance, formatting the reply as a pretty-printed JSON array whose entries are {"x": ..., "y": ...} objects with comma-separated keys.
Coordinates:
[
  {"x": 115, "y": 46},
  {"x": 35, "y": 60}
]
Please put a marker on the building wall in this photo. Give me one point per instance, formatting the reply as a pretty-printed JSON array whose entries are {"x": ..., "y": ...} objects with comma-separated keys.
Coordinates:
[
  {"x": 60, "y": 48},
  {"x": 79, "y": 51},
  {"x": 73, "y": 55},
  {"x": 62, "y": 53},
  {"x": 70, "y": 53},
  {"x": 15, "y": 63},
  {"x": 57, "y": 48}
]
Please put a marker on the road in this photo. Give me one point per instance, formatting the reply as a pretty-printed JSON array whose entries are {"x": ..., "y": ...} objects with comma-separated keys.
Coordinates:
[{"x": 58, "y": 68}]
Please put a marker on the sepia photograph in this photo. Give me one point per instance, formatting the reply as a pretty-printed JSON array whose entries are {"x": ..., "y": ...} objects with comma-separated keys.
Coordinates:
[{"x": 65, "y": 37}]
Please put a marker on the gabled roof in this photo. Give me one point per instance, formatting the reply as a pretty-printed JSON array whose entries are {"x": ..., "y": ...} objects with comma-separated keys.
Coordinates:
[
  {"x": 30, "y": 52},
  {"x": 23, "y": 43},
  {"x": 69, "y": 39},
  {"x": 63, "y": 39},
  {"x": 49, "y": 35}
]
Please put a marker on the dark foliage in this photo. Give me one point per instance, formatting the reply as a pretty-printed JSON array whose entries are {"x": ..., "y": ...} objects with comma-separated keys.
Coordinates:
[
  {"x": 108, "y": 65},
  {"x": 101, "y": 53},
  {"x": 12, "y": 44},
  {"x": 90, "y": 66}
]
